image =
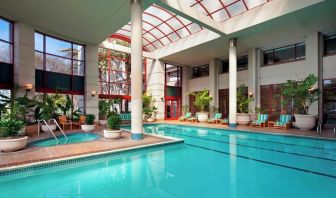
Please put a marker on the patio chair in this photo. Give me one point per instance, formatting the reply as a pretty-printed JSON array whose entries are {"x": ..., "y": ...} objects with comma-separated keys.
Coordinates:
[
  {"x": 193, "y": 118},
  {"x": 261, "y": 121},
  {"x": 284, "y": 122},
  {"x": 185, "y": 117},
  {"x": 225, "y": 121},
  {"x": 125, "y": 118},
  {"x": 81, "y": 121},
  {"x": 63, "y": 122},
  {"x": 216, "y": 119}
]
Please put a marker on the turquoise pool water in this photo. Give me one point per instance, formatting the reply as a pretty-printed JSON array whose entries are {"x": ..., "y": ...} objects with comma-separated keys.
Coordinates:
[
  {"x": 211, "y": 163},
  {"x": 72, "y": 138}
]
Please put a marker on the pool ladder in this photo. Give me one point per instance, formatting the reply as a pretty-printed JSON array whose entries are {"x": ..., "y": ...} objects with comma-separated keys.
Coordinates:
[{"x": 51, "y": 131}]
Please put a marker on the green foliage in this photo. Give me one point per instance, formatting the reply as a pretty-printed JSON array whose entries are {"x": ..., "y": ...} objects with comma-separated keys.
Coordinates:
[
  {"x": 64, "y": 104},
  {"x": 185, "y": 109},
  {"x": 243, "y": 101},
  {"x": 11, "y": 127},
  {"x": 113, "y": 122},
  {"x": 104, "y": 108},
  {"x": 89, "y": 119},
  {"x": 301, "y": 92},
  {"x": 202, "y": 99},
  {"x": 148, "y": 107},
  {"x": 48, "y": 105}
]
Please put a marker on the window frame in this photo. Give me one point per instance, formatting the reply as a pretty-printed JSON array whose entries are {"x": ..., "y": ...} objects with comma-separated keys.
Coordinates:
[
  {"x": 10, "y": 85},
  {"x": 245, "y": 57},
  {"x": 325, "y": 53},
  {"x": 296, "y": 58},
  {"x": 198, "y": 68}
]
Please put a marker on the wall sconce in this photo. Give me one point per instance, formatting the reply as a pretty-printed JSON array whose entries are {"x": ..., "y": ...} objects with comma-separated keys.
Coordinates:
[
  {"x": 162, "y": 99},
  {"x": 250, "y": 94},
  {"x": 93, "y": 93},
  {"x": 29, "y": 87}
]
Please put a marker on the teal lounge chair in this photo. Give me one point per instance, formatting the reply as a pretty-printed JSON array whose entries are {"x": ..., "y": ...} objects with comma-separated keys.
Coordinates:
[
  {"x": 261, "y": 121},
  {"x": 185, "y": 117},
  {"x": 193, "y": 118},
  {"x": 216, "y": 119},
  {"x": 125, "y": 117},
  {"x": 284, "y": 122}
]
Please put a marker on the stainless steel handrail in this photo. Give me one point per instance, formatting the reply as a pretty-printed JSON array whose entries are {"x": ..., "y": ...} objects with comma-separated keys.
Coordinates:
[
  {"x": 60, "y": 129},
  {"x": 39, "y": 125}
]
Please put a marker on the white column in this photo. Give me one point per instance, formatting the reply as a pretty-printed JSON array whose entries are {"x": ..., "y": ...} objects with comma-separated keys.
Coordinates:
[
  {"x": 185, "y": 85},
  {"x": 156, "y": 84},
  {"x": 136, "y": 69},
  {"x": 91, "y": 79},
  {"x": 213, "y": 82},
  {"x": 233, "y": 82},
  {"x": 253, "y": 77},
  {"x": 24, "y": 58}
]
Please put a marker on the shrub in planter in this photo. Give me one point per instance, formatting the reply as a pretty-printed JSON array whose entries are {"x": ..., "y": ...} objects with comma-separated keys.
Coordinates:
[
  {"x": 12, "y": 131},
  {"x": 149, "y": 110},
  {"x": 89, "y": 123},
  {"x": 202, "y": 100},
  {"x": 243, "y": 101},
  {"x": 303, "y": 94},
  {"x": 113, "y": 127}
]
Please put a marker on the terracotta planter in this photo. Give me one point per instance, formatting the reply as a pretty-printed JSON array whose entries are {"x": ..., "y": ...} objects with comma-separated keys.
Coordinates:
[
  {"x": 243, "y": 118},
  {"x": 88, "y": 128},
  {"x": 112, "y": 134},
  {"x": 202, "y": 116},
  {"x": 305, "y": 122},
  {"x": 46, "y": 129},
  {"x": 15, "y": 144}
]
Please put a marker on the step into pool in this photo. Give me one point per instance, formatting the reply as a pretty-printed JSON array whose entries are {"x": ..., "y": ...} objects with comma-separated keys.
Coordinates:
[
  {"x": 210, "y": 163},
  {"x": 72, "y": 138}
]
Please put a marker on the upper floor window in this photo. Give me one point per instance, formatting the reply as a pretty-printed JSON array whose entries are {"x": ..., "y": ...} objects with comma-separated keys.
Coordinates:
[
  {"x": 59, "y": 56},
  {"x": 330, "y": 45},
  {"x": 285, "y": 54},
  {"x": 242, "y": 64},
  {"x": 173, "y": 76},
  {"x": 6, "y": 41},
  {"x": 200, "y": 71}
]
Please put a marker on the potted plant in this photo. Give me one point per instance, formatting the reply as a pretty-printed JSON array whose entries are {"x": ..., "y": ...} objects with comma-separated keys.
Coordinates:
[
  {"x": 243, "y": 101},
  {"x": 303, "y": 94},
  {"x": 89, "y": 123},
  {"x": 202, "y": 100},
  {"x": 113, "y": 130},
  {"x": 12, "y": 136},
  {"x": 46, "y": 109},
  {"x": 104, "y": 109},
  {"x": 148, "y": 108}
]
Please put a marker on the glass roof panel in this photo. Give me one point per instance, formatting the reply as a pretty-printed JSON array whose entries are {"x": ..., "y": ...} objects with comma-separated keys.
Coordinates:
[
  {"x": 236, "y": 8},
  {"x": 211, "y": 5},
  {"x": 254, "y": 3}
]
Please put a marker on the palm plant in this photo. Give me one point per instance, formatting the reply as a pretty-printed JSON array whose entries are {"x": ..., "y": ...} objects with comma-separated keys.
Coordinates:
[
  {"x": 301, "y": 92},
  {"x": 202, "y": 99},
  {"x": 243, "y": 100}
]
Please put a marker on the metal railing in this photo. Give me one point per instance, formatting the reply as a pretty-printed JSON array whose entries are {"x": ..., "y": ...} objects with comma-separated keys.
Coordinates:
[
  {"x": 66, "y": 138},
  {"x": 50, "y": 130}
]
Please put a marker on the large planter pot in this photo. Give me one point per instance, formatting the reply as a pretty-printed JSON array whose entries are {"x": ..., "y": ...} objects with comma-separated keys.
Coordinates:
[
  {"x": 87, "y": 128},
  {"x": 243, "y": 118},
  {"x": 202, "y": 116},
  {"x": 305, "y": 122},
  {"x": 112, "y": 134},
  {"x": 150, "y": 119},
  {"x": 102, "y": 122},
  {"x": 15, "y": 144},
  {"x": 46, "y": 129}
]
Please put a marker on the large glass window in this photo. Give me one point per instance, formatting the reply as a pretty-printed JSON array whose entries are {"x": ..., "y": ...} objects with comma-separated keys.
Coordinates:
[
  {"x": 329, "y": 102},
  {"x": 242, "y": 64},
  {"x": 59, "y": 68},
  {"x": 285, "y": 54},
  {"x": 6, "y": 54},
  {"x": 173, "y": 91},
  {"x": 200, "y": 71},
  {"x": 330, "y": 44},
  {"x": 115, "y": 74}
]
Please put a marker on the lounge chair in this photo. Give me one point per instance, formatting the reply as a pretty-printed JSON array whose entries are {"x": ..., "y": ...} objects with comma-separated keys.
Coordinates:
[
  {"x": 284, "y": 122},
  {"x": 193, "y": 118},
  {"x": 63, "y": 122},
  {"x": 225, "y": 121},
  {"x": 216, "y": 119},
  {"x": 185, "y": 117},
  {"x": 81, "y": 121},
  {"x": 125, "y": 118},
  {"x": 261, "y": 121}
]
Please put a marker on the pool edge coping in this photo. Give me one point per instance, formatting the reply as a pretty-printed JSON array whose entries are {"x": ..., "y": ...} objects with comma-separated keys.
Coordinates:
[{"x": 129, "y": 149}]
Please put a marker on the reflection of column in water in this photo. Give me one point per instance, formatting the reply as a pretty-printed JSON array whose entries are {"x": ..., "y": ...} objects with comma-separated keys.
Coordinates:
[
  {"x": 202, "y": 132},
  {"x": 155, "y": 168},
  {"x": 233, "y": 165}
]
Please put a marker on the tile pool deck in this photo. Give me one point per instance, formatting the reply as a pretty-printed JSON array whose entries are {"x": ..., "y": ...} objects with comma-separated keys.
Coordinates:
[{"x": 33, "y": 155}]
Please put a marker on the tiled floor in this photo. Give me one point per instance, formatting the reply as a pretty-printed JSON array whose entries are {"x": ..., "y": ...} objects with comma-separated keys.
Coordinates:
[
  {"x": 326, "y": 133},
  {"x": 38, "y": 154}
]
